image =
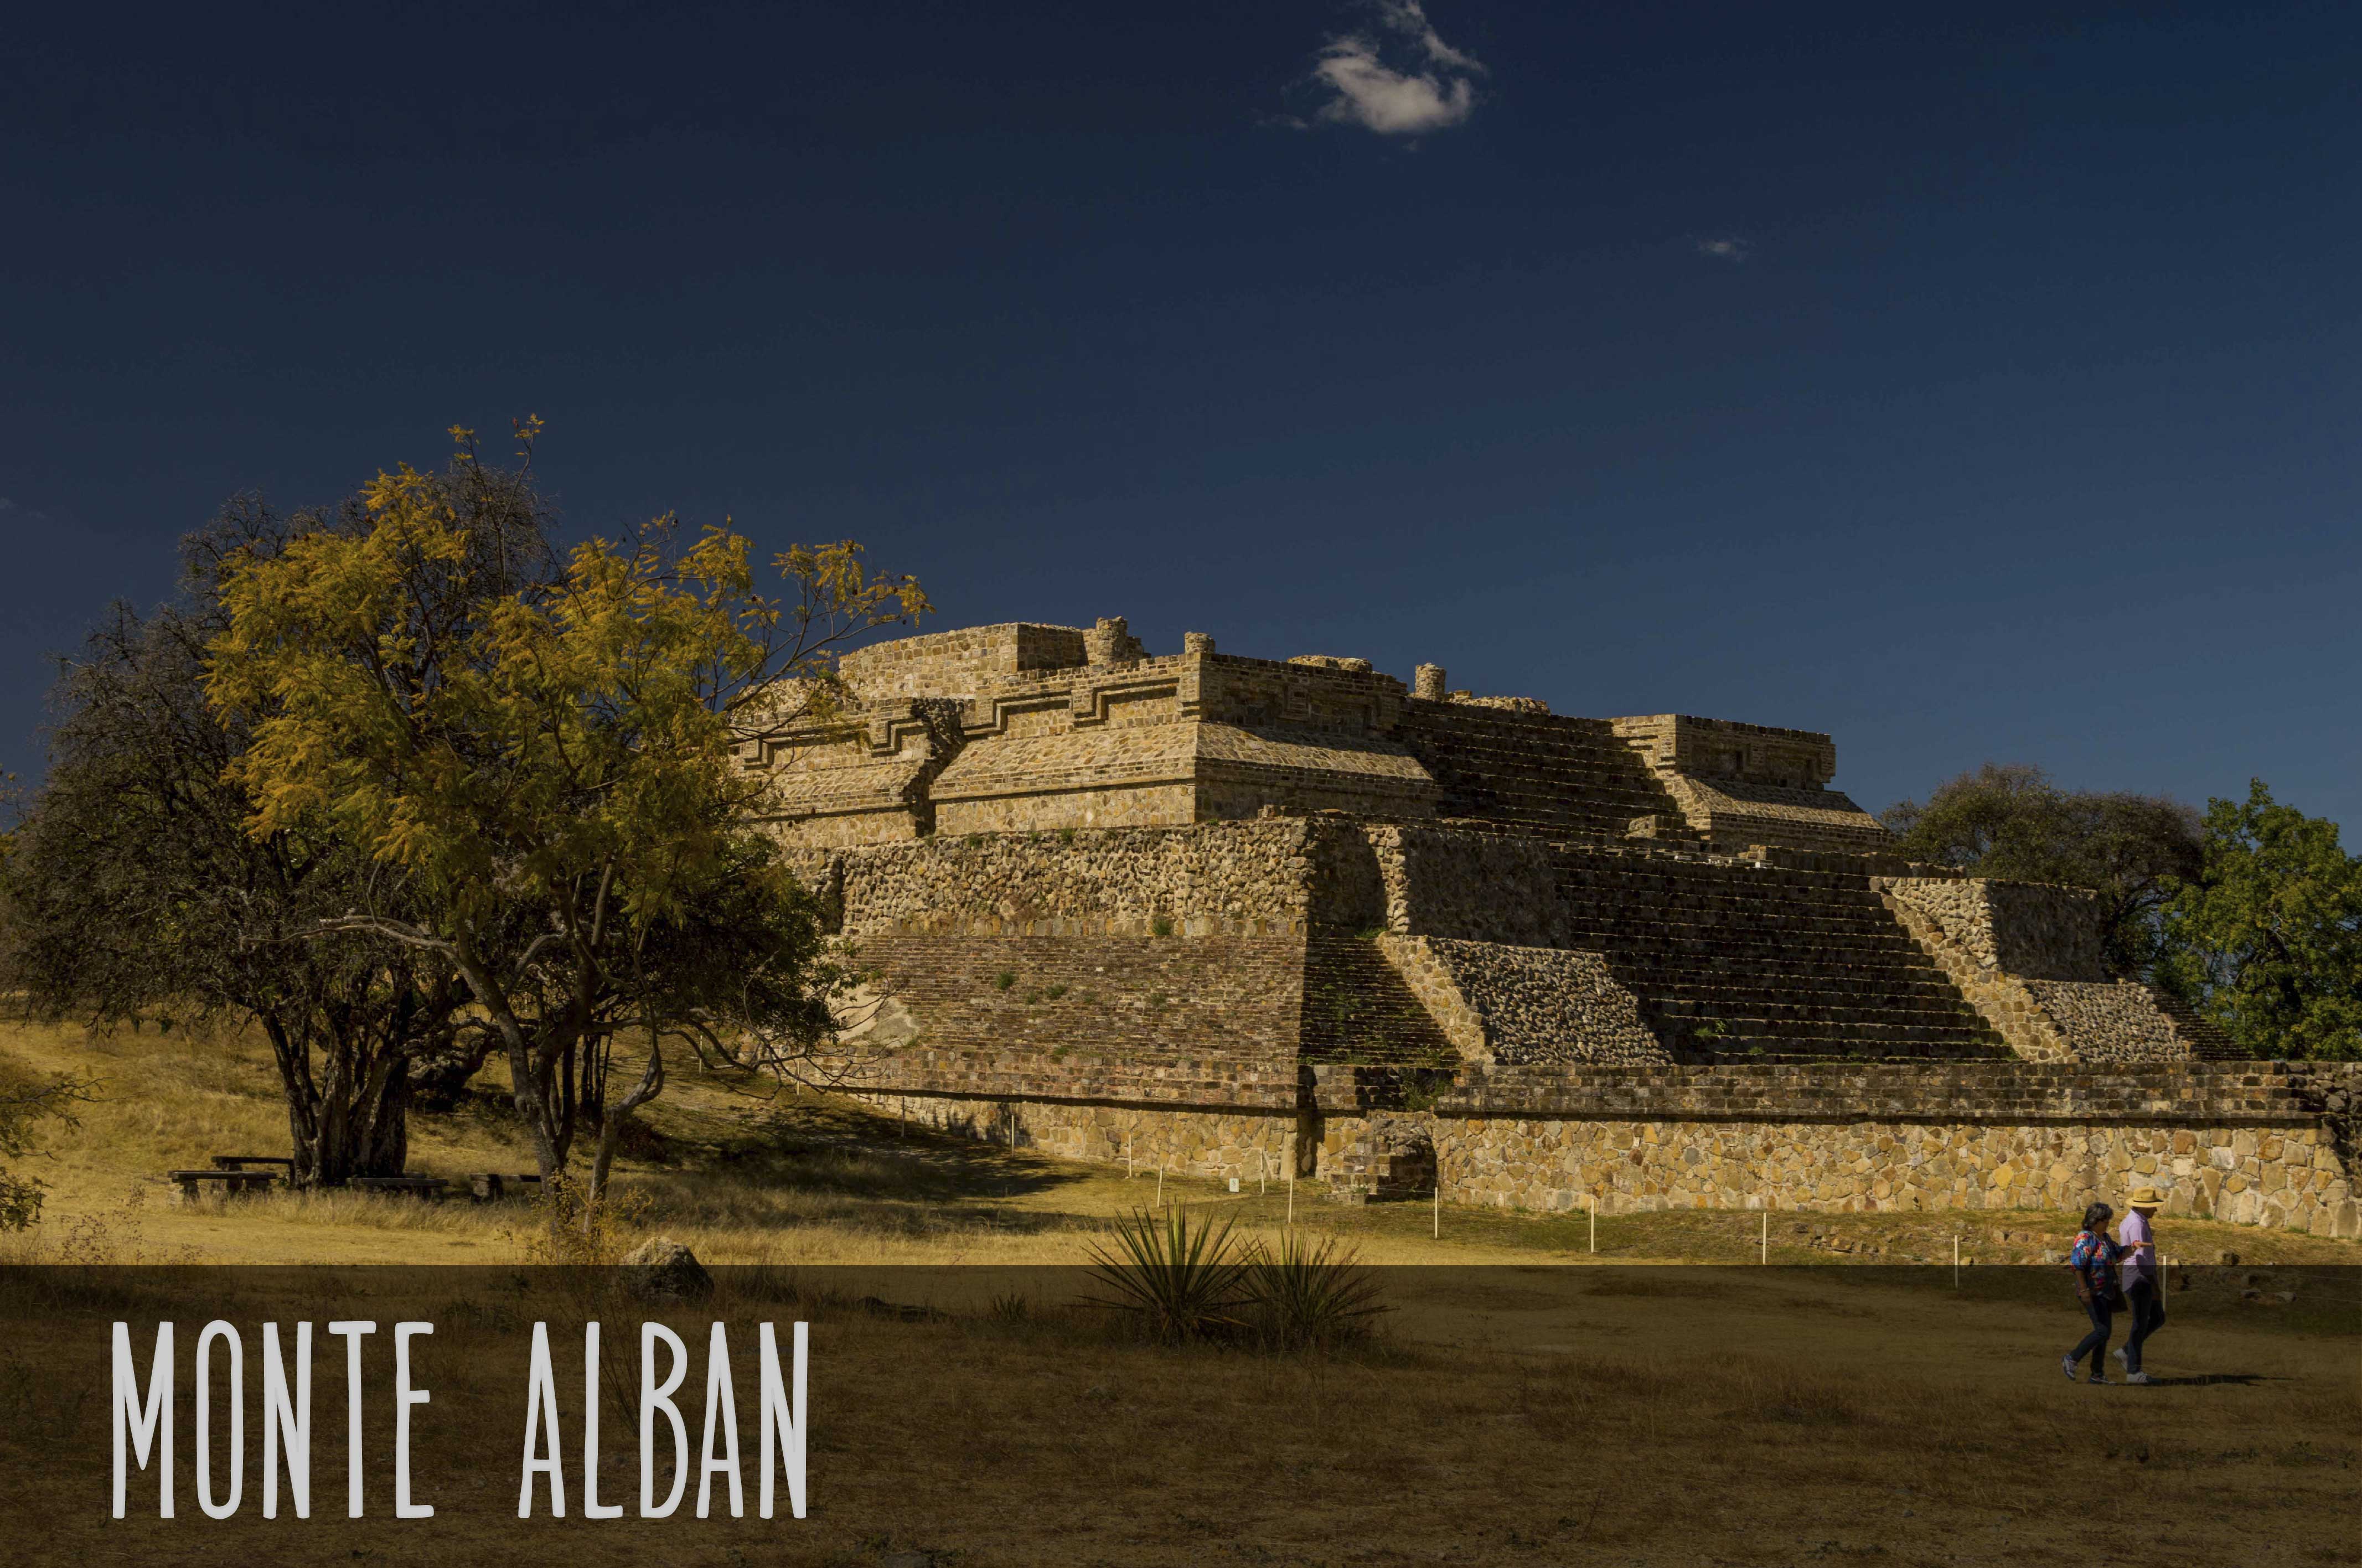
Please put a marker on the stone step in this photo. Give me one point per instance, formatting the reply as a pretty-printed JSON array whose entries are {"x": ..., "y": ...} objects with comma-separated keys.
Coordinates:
[{"x": 1357, "y": 1009}]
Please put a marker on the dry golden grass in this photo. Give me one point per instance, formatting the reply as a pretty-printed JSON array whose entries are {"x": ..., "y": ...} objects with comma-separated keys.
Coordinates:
[{"x": 754, "y": 1176}]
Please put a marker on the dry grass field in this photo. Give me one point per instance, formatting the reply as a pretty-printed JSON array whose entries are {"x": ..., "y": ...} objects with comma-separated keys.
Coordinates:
[{"x": 1520, "y": 1404}]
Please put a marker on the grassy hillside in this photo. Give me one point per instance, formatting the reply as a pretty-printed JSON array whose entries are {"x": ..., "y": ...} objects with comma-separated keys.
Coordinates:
[{"x": 752, "y": 1172}]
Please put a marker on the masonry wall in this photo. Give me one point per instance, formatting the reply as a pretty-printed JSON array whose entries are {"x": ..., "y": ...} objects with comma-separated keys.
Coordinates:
[
  {"x": 1465, "y": 883},
  {"x": 2029, "y": 958},
  {"x": 1211, "y": 1020},
  {"x": 2247, "y": 1144},
  {"x": 2283, "y": 1176},
  {"x": 1254, "y": 1147},
  {"x": 1251, "y": 877},
  {"x": 1500, "y": 1003}
]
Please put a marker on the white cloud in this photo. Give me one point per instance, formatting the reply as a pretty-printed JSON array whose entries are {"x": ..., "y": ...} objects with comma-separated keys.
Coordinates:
[
  {"x": 1725, "y": 249},
  {"x": 1431, "y": 86}
]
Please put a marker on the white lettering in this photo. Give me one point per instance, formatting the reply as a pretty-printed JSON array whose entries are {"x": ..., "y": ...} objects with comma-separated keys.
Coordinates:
[
  {"x": 786, "y": 1418},
  {"x": 291, "y": 1417},
  {"x": 352, "y": 1328},
  {"x": 219, "y": 1330},
  {"x": 145, "y": 1422},
  {"x": 540, "y": 1409},
  {"x": 592, "y": 1509},
  {"x": 405, "y": 1396},
  {"x": 720, "y": 1402},
  {"x": 651, "y": 1399}
]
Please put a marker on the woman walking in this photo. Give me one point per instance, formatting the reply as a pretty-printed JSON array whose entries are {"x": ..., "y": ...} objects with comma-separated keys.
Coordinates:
[{"x": 2093, "y": 1259}]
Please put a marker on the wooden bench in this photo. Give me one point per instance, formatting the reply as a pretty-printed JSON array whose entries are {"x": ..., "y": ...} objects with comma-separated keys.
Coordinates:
[
  {"x": 413, "y": 1186},
  {"x": 228, "y": 1182},
  {"x": 490, "y": 1184},
  {"x": 240, "y": 1162}
]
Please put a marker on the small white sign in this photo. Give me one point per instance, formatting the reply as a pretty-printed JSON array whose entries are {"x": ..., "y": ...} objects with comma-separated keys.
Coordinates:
[{"x": 1234, "y": 1184}]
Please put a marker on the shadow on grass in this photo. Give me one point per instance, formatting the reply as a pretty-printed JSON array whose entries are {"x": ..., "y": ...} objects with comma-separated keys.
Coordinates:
[{"x": 2200, "y": 1380}]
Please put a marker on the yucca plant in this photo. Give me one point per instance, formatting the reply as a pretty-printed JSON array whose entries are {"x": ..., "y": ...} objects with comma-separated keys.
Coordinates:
[
  {"x": 1304, "y": 1296},
  {"x": 1182, "y": 1282}
]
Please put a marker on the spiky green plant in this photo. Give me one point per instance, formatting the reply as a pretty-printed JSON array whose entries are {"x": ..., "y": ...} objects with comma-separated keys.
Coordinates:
[
  {"x": 1182, "y": 1282},
  {"x": 1304, "y": 1296}
]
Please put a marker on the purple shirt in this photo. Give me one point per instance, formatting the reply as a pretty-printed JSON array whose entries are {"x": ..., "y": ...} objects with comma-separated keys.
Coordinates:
[{"x": 2139, "y": 1264}]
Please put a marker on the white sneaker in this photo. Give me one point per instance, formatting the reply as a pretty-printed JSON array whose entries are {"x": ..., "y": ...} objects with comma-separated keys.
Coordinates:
[
  {"x": 2067, "y": 1366},
  {"x": 2137, "y": 1377},
  {"x": 2119, "y": 1354}
]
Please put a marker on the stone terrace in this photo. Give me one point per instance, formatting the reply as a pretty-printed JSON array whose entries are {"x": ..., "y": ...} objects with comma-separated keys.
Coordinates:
[{"x": 1263, "y": 911}]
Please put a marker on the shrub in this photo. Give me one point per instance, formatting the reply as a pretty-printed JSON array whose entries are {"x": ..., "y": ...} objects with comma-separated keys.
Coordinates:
[
  {"x": 1181, "y": 1283},
  {"x": 1305, "y": 1296}
]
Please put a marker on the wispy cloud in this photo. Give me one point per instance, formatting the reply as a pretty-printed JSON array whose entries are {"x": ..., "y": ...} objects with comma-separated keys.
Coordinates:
[
  {"x": 1727, "y": 248},
  {"x": 1397, "y": 77}
]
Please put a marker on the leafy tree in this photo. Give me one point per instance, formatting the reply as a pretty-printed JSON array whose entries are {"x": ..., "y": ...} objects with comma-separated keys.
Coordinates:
[
  {"x": 2268, "y": 938},
  {"x": 25, "y": 1101},
  {"x": 134, "y": 888},
  {"x": 547, "y": 763},
  {"x": 2011, "y": 822}
]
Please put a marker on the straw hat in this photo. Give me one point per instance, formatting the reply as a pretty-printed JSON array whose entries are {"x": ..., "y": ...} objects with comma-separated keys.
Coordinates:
[{"x": 2148, "y": 1198}]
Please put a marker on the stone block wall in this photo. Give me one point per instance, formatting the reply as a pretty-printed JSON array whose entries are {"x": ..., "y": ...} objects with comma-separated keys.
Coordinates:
[
  {"x": 956, "y": 662},
  {"x": 1209, "y": 1145},
  {"x": 2237, "y": 1144},
  {"x": 2281, "y": 1176},
  {"x": 1144, "y": 999},
  {"x": 2029, "y": 958},
  {"x": 1513, "y": 1005},
  {"x": 1251, "y": 877},
  {"x": 1465, "y": 882},
  {"x": 1748, "y": 784},
  {"x": 2232, "y": 1146},
  {"x": 2034, "y": 931}
]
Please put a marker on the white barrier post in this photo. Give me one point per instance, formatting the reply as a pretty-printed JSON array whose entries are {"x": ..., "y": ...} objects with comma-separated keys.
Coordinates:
[{"x": 1594, "y": 1221}]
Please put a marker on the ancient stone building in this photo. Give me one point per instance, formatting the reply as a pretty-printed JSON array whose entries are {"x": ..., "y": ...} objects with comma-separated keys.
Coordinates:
[{"x": 1237, "y": 915}]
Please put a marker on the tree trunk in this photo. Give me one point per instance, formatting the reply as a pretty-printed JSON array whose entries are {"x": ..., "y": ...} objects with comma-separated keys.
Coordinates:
[
  {"x": 610, "y": 1128},
  {"x": 348, "y": 1122}
]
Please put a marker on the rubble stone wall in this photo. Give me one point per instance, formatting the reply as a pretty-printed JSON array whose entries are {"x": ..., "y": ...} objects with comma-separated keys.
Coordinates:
[
  {"x": 1518, "y": 1005},
  {"x": 2285, "y": 1177},
  {"x": 2250, "y": 1145},
  {"x": 1239, "y": 878},
  {"x": 2029, "y": 958},
  {"x": 1467, "y": 883}
]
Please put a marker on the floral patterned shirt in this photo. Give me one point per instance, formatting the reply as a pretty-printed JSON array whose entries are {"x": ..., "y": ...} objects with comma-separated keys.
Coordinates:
[{"x": 2093, "y": 1259}]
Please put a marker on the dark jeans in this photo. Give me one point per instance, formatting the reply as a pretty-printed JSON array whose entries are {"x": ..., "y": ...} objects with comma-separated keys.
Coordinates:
[
  {"x": 2095, "y": 1344},
  {"x": 2147, "y": 1300}
]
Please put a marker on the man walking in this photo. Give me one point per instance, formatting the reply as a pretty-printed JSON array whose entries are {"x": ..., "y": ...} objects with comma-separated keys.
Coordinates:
[{"x": 2144, "y": 1281}]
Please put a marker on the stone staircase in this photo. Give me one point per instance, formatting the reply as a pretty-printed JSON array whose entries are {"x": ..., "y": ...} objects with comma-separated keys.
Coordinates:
[
  {"x": 2208, "y": 1042},
  {"x": 1563, "y": 777},
  {"x": 1753, "y": 963},
  {"x": 1358, "y": 1010}
]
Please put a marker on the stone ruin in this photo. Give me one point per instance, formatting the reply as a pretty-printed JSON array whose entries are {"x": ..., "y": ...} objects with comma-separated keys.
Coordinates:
[{"x": 1255, "y": 918}]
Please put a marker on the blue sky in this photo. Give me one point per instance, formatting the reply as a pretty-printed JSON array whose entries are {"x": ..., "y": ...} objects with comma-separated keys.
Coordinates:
[{"x": 1979, "y": 387}]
